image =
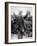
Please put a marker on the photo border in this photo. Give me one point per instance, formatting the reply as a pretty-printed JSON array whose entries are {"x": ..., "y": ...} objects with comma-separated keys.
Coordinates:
[{"x": 6, "y": 22}]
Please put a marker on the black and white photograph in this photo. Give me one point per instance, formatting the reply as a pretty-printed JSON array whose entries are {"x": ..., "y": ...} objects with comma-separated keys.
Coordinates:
[{"x": 21, "y": 22}]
